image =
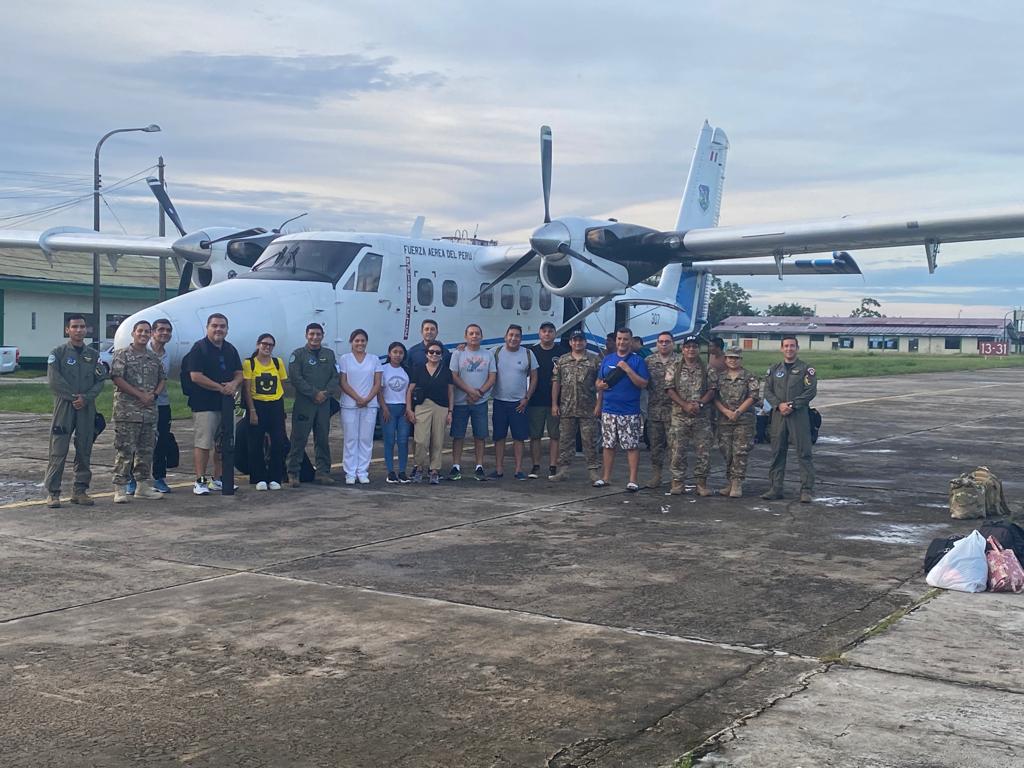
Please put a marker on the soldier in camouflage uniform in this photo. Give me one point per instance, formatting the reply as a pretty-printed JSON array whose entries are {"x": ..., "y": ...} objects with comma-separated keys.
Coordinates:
[
  {"x": 312, "y": 371},
  {"x": 659, "y": 405},
  {"x": 789, "y": 387},
  {"x": 687, "y": 386},
  {"x": 139, "y": 376},
  {"x": 573, "y": 400},
  {"x": 75, "y": 377},
  {"x": 738, "y": 391}
]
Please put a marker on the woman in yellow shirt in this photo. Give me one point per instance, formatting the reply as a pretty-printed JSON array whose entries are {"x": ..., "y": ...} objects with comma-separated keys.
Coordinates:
[{"x": 264, "y": 377}]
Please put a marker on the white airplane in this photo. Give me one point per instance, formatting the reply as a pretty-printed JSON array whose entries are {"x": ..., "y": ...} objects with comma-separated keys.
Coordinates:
[{"x": 599, "y": 274}]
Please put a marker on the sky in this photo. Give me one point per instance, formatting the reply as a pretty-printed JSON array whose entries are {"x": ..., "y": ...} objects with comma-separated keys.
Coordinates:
[{"x": 369, "y": 114}]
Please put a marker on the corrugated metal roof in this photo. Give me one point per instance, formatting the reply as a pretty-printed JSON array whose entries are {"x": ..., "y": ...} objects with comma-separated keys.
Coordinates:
[
  {"x": 133, "y": 271},
  {"x": 864, "y": 326}
]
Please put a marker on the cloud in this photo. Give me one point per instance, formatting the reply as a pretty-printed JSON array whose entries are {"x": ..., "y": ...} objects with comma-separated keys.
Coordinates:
[{"x": 299, "y": 80}]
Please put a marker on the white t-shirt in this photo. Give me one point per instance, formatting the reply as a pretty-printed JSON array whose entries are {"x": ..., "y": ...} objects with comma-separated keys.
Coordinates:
[
  {"x": 394, "y": 382},
  {"x": 360, "y": 377}
]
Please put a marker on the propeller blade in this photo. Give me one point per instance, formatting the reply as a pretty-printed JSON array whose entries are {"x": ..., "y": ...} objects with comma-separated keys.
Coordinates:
[
  {"x": 165, "y": 202},
  {"x": 234, "y": 236},
  {"x": 521, "y": 262},
  {"x": 545, "y": 169},
  {"x": 563, "y": 248},
  {"x": 185, "y": 281}
]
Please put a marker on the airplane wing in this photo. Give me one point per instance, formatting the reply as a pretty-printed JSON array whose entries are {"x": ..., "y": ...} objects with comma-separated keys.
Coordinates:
[
  {"x": 852, "y": 233},
  {"x": 840, "y": 264},
  {"x": 76, "y": 240}
]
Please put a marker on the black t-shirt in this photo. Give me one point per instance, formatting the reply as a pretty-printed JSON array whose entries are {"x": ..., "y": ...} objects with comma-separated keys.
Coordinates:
[
  {"x": 433, "y": 387},
  {"x": 218, "y": 365},
  {"x": 545, "y": 367}
]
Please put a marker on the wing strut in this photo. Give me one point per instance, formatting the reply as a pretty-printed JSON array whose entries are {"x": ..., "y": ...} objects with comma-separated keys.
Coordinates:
[
  {"x": 931, "y": 250},
  {"x": 587, "y": 310}
]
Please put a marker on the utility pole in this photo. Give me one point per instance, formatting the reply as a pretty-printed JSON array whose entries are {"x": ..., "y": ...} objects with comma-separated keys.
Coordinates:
[{"x": 162, "y": 231}]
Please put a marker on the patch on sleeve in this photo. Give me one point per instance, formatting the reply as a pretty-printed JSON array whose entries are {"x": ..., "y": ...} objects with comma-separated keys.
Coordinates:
[
  {"x": 810, "y": 371},
  {"x": 51, "y": 359},
  {"x": 292, "y": 358}
]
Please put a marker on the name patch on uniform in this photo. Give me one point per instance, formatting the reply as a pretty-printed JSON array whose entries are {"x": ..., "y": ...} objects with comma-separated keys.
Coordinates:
[{"x": 780, "y": 374}]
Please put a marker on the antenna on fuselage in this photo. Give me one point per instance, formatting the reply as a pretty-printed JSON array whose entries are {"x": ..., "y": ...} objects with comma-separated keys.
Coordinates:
[{"x": 289, "y": 221}]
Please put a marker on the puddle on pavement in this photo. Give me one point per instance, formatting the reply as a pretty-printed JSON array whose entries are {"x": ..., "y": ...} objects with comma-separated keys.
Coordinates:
[
  {"x": 879, "y": 450},
  {"x": 899, "y": 533},
  {"x": 837, "y": 501},
  {"x": 833, "y": 439}
]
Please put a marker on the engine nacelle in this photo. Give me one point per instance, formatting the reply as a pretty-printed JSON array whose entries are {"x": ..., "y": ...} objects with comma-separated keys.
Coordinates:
[{"x": 567, "y": 276}]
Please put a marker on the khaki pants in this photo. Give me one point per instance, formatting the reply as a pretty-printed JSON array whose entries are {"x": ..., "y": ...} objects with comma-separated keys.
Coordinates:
[{"x": 430, "y": 429}]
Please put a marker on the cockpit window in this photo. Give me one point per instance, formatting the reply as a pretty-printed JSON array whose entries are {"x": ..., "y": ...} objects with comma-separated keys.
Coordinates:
[{"x": 317, "y": 260}]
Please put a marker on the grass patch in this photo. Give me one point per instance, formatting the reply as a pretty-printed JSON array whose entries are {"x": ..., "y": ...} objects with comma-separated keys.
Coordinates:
[
  {"x": 37, "y": 398},
  {"x": 842, "y": 365},
  {"x": 26, "y": 373}
]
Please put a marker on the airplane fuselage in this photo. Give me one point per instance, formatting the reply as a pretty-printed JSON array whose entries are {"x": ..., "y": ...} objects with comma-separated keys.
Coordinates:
[{"x": 388, "y": 285}]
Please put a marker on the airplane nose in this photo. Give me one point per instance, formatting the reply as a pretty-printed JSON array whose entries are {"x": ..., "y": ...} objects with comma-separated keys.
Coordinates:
[{"x": 546, "y": 239}]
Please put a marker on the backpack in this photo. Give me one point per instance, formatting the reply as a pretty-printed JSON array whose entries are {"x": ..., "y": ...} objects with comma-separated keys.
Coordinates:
[
  {"x": 976, "y": 494},
  {"x": 185, "y": 377},
  {"x": 938, "y": 549},
  {"x": 815, "y": 417},
  {"x": 1009, "y": 535}
]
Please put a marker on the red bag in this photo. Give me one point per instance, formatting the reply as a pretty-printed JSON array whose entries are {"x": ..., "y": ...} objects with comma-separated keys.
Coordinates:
[{"x": 1004, "y": 571}]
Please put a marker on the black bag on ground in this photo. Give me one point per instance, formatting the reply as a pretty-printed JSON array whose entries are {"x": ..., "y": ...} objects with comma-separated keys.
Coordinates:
[
  {"x": 173, "y": 455},
  {"x": 937, "y": 550},
  {"x": 815, "y": 417},
  {"x": 307, "y": 472},
  {"x": 1009, "y": 535}
]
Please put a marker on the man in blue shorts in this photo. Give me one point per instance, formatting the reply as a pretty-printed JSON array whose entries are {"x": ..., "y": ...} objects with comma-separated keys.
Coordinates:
[
  {"x": 473, "y": 374},
  {"x": 620, "y": 380},
  {"x": 516, "y": 381}
]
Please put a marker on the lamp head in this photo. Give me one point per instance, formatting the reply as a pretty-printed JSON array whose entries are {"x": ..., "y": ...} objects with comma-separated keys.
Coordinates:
[{"x": 152, "y": 128}]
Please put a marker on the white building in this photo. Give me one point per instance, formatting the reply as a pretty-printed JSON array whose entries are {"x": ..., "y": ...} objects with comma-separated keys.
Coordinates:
[
  {"x": 927, "y": 335},
  {"x": 35, "y": 297}
]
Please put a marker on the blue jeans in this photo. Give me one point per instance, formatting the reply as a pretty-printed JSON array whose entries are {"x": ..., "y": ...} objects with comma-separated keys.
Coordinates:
[{"x": 395, "y": 429}]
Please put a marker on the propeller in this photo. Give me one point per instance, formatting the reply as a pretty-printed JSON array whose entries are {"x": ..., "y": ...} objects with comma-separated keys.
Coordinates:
[
  {"x": 545, "y": 169},
  {"x": 184, "y": 271},
  {"x": 519, "y": 263}
]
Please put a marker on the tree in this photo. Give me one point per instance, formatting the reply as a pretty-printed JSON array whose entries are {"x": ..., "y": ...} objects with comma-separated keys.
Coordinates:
[
  {"x": 727, "y": 299},
  {"x": 868, "y": 308},
  {"x": 789, "y": 310}
]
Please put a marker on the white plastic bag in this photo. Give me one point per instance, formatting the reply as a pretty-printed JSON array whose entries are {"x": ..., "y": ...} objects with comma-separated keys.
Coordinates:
[{"x": 964, "y": 568}]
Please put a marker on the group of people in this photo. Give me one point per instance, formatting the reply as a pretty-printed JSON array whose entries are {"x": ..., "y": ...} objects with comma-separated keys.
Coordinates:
[{"x": 676, "y": 401}]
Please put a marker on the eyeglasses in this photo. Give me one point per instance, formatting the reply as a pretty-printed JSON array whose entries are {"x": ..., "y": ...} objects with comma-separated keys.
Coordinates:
[
  {"x": 433, "y": 352},
  {"x": 664, "y": 341},
  {"x": 267, "y": 344}
]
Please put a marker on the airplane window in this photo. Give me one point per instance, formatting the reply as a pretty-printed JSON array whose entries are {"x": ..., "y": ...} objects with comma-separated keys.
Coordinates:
[
  {"x": 525, "y": 297},
  {"x": 508, "y": 296},
  {"x": 486, "y": 297},
  {"x": 350, "y": 283},
  {"x": 544, "y": 299},
  {"x": 368, "y": 273},
  {"x": 425, "y": 291},
  {"x": 315, "y": 260},
  {"x": 449, "y": 293}
]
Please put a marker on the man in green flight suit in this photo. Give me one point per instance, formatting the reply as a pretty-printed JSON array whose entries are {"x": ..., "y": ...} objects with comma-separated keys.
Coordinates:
[
  {"x": 789, "y": 387},
  {"x": 76, "y": 377},
  {"x": 313, "y": 372}
]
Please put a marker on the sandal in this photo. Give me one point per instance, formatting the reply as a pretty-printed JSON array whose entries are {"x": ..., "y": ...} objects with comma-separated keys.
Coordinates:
[
  {"x": 599, "y": 483},
  {"x": 632, "y": 487}
]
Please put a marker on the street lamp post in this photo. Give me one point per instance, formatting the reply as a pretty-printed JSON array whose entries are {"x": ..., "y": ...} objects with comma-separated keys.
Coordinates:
[{"x": 97, "y": 337}]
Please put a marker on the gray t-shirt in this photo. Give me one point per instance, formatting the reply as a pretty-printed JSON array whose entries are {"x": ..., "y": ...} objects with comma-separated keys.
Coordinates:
[
  {"x": 473, "y": 368},
  {"x": 163, "y": 398},
  {"x": 513, "y": 373}
]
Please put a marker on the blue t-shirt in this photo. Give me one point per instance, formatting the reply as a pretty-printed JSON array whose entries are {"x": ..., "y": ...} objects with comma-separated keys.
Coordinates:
[{"x": 624, "y": 398}]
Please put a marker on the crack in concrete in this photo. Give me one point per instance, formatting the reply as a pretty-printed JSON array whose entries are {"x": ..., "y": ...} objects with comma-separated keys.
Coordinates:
[{"x": 933, "y": 679}]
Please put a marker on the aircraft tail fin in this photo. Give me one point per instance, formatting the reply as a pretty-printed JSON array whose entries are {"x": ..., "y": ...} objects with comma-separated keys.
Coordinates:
[{"x": 702, "y": 197}]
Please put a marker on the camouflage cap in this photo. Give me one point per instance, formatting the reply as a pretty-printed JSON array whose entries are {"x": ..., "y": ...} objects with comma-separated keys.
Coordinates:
[{"x": 733, "y": 351}]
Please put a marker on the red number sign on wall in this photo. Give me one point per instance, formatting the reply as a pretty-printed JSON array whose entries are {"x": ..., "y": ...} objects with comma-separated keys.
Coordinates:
[{"x": 989, "y": 348}]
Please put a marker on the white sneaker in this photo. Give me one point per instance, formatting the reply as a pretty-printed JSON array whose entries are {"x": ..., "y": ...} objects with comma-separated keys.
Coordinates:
[
  {"x": 217, "y": 485},
  {"x": 261, "y": 485},
  {"x": 201, "y": 488},
  {"x": 364, "y": 479},
  {"x": 349, "y": 480},
  {"x": 275, "y": 486}
]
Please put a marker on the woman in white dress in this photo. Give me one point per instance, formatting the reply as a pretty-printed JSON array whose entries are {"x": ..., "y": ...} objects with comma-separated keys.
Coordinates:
[{"x": 360, "y": 382}]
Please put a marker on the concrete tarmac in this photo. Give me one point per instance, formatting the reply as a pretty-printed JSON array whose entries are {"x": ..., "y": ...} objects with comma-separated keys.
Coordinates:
[{"x": 523, "y": 623}]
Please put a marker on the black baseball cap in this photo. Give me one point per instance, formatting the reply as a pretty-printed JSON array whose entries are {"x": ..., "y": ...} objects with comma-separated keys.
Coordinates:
[
  {"x": 577, "y": 334},
  {"x": 547, "y": 324},
  {"x": 691, "y": 340}
]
